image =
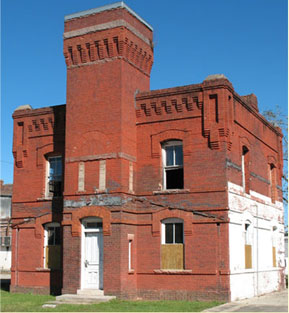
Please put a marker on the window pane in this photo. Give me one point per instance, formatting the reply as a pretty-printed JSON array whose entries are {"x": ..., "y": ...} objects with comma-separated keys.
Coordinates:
[
  {"x": 55, "y": 168},
  {"x": 169, "y": 156},
  {"x": 179, "y": 233},
  {"x": 169, "y": 233},
  {"x": 93, "y": 225},
  {"x": 175, "y": 179},
  {"x": 51, "y": 236},
  {"x": 179, "y": 155}
]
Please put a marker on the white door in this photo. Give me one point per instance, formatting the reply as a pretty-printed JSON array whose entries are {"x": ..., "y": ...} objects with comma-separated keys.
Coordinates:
[{"x": 93, "y": 260}]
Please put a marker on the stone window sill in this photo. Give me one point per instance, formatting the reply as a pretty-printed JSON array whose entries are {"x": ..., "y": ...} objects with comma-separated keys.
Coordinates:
[
  {"x": 42, "y": 269},
  {"x": 48, "y": 198},
  {"x": 174, "y": 272},
  {"x": 170, "y": 191},
  {"x": 45, "y": 199}
]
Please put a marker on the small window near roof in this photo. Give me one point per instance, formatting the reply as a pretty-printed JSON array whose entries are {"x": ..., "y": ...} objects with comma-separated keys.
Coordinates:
[
  {"x": 173, "y": 171},
  {"x": 273, "y": 189},
  {"x": 54, "y": 176},
  {"x": 245, "y": 170}
]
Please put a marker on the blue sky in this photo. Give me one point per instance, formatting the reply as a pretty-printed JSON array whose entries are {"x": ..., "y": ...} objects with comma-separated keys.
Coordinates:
[{"x": 247, "y": 40}]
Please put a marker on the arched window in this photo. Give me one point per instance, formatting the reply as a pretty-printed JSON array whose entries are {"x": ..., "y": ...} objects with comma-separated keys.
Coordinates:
[
  {"x": 52, "y": 246},
  {"x": 173, "y": 171},
  {"x": 245, "y": 170},
  {"x": 172, "y": 249}
]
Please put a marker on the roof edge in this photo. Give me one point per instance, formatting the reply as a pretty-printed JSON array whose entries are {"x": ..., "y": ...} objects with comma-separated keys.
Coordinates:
[{"x": 115, "y": 5}]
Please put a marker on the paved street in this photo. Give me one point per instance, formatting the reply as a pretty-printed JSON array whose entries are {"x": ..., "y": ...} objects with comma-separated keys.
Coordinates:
[{"x": 273, "y": 302}]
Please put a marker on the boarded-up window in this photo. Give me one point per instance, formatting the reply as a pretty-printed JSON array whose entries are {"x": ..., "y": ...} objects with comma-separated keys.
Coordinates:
[
  {"x": 274, "y": 256},
  {"x": 172, "y": 249},
  {"x": 274, "y": 244},
  {"x": 173, "y": 256},
  {"x": 52, "y": 246},
  {"x": 248, "y": 256},
  {"x": 248, "y": 244},
  {"x": 53, "y": 257}
]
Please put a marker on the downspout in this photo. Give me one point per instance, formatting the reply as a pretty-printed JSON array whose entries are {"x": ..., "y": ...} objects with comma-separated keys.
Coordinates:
[
  {"x": 16, "y": 257},
  {"x": 257, "y": 257}
]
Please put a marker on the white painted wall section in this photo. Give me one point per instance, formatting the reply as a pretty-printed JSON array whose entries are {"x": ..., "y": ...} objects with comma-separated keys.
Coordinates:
[{"x": 265, "y": 216}]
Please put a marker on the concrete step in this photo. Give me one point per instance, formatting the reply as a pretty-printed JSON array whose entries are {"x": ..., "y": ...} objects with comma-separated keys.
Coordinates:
[
  {"x": 82, "y": 299},
  {"x": 91, "y": 292}
]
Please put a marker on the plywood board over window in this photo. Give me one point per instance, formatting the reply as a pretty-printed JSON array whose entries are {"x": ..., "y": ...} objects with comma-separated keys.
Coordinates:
[
  {"x": 248, "y": 256},
  {"x": 172, "y": 256}
]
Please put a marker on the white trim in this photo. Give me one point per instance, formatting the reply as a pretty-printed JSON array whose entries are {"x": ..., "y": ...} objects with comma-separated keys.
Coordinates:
[{"x": 130, "y": 255}]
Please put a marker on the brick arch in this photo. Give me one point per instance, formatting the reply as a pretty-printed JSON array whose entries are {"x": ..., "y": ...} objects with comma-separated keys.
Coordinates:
[
  {"x": 89, "y": 141},
  {"x": 159, "y": 216},
  {"x": 90, "y": 211},
  {"x": 41, "y": 152},
  {"x": 244, "y": 141},
  {"x": 171, "y": 134},
  {"x": 272, "y": 160},
  {"x": 48, "y": 218}
]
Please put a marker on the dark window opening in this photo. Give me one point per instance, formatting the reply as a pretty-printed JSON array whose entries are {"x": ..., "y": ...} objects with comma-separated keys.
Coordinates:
[
  {"x": 173, "y": 165},
  {"x": 175, "y": 178}
]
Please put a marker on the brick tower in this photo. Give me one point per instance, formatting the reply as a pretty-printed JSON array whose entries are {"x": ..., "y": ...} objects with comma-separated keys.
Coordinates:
[{"x": 109, "y": 55}]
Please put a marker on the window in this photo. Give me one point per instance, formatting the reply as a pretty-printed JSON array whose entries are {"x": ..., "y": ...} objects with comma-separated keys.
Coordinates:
[
  {"x": 245, "y": 170},
  {"x": 52, "y": 246},
  {"x": 173, "y": 172},
  {"x": 172, "y": 249},
  {"x": 130, "y": 255},
  {"x": 248, "y": 244},
  {"x": 272, "y": 178},
  {"x": 274, "y": 239},
  {"x": 54, "y": 179}
]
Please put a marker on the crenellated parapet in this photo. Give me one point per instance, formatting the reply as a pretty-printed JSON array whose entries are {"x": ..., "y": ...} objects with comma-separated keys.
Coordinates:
[{"x": 180, "y": 102}]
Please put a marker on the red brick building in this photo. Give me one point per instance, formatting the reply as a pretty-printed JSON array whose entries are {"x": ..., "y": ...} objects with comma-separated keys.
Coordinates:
[{"x": 172, "y": 193}]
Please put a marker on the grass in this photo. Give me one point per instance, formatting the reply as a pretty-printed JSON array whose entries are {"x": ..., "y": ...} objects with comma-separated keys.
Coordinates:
[{"x": 33, "y": 303}]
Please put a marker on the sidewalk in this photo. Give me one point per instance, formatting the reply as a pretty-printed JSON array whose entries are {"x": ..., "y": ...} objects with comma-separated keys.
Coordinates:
[{"x": 272, "y": 302}]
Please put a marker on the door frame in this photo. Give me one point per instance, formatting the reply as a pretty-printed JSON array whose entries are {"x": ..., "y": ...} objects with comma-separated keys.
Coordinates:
[{"x": 89, "y": 230}]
